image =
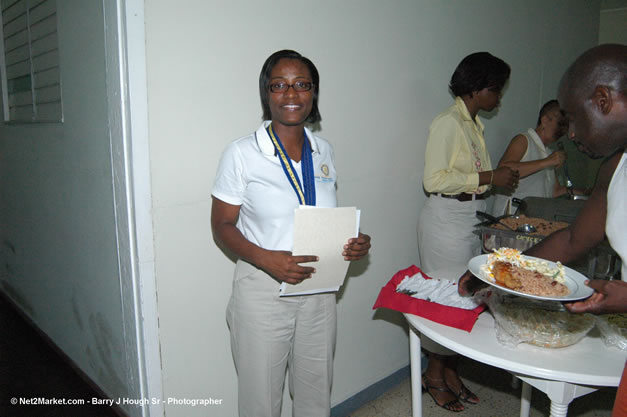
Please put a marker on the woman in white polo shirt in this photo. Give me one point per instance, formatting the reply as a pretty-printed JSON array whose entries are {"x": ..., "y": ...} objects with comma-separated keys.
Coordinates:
[{"x": 261, "y": 179}]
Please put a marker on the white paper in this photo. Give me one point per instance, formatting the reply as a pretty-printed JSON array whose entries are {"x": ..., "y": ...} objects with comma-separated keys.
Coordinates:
[
  {"x": 322, "y": 232},
  {"x": 441, "y": 291}
]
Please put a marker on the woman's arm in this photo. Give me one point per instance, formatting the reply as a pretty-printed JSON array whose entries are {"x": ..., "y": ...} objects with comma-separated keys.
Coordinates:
[
  {"x": 515, "y": 152},
  {"x": 443, "y": 147},
  {"x": 502, "y": 177},
  {"x": 279, "y": 264}
]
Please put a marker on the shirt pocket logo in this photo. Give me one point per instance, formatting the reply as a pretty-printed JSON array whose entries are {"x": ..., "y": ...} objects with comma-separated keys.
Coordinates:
[{"x": 324, "y": 168}]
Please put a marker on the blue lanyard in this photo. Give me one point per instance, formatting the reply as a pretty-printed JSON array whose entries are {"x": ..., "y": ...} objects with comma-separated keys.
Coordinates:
[{"x": 306, "y": 196}]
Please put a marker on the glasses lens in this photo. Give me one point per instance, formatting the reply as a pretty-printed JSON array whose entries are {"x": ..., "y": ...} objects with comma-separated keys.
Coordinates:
[
  {"x": 279, "y": 87},
  {"x": 302, "y": 86}
]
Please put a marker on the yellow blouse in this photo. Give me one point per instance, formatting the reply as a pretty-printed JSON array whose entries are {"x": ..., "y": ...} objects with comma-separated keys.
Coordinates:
[{"x": 455, "y": 153}]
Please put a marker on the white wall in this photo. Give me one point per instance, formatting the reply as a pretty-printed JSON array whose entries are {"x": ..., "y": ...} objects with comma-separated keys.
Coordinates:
[
  {"x": 613, "y": 25},
  {"x": 384, "y": 71}
]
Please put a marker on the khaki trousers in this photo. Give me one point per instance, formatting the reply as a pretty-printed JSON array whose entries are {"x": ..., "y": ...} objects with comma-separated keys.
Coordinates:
[{"x": 271, "y": 333}]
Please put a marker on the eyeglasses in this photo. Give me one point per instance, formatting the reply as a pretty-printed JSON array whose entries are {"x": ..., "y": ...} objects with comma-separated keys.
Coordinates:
[{"x": 298, "y": 86}]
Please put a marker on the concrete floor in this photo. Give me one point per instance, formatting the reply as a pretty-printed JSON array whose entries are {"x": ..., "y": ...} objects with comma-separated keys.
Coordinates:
[
  {"x": 498, "y": 398},
  {"x": 31, "y": 369}
]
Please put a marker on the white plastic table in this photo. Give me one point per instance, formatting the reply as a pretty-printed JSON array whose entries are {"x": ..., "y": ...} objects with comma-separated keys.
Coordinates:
[{"x": 563, "y": 374}]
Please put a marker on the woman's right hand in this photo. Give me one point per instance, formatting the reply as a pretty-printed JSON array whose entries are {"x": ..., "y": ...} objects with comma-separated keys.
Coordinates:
[
  {"x": 279, "y": 264},
  {"x": 284, "y": 267},
  {"x": 505, "y": 177},
  {"x": 468, "y": 284},
  {"x": 556, "y": 159}
]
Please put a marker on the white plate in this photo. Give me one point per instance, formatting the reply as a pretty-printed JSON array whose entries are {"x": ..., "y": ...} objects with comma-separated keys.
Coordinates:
[{"x": 572, "y": 279}]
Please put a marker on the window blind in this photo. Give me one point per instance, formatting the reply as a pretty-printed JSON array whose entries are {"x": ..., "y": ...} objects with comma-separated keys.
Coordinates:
[{"x": 31, "y": 77}]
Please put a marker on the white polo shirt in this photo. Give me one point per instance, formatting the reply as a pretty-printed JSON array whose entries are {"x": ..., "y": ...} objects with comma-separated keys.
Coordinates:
[{"x": 250, "y": 175}]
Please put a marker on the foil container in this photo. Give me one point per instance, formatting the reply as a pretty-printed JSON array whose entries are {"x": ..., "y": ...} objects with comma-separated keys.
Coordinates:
[{"x": 492, "y": 238}]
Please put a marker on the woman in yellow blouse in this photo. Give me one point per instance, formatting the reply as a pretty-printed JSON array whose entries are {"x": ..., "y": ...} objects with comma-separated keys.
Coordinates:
[{"x": 457, "y": 175}]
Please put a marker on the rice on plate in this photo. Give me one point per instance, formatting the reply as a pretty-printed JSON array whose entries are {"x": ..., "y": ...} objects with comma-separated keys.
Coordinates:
[{"x": 508, "y": 268}]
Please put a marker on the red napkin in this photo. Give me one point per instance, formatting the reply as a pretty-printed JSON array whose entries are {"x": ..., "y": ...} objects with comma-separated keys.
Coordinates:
[{"x": 449, "y": 316}]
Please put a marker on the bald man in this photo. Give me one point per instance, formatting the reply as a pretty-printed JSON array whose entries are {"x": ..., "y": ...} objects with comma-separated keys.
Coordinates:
[
  {"x": 593, "y": 97},
  {"x": 593, "y": 93}
]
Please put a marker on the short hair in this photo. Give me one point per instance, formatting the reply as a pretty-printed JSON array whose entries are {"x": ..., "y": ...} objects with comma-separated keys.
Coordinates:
[
  {"x": 264, "y": 82},
  {"x": 602, "y": 65},
  {"x": 478, "y": 71},
  {"x": 548, "y": 107}
]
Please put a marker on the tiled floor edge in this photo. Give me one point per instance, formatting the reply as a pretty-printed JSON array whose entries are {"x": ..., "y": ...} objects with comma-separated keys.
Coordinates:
[{"x": 370, "y": 393}]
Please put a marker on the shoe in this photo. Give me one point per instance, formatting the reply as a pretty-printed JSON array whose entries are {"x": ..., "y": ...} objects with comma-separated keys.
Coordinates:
[
  {"x": 447, "y": 405},
  {"x": 467, "y": 396}
]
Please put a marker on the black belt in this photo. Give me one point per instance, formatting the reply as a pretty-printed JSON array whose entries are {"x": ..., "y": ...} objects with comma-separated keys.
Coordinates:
[{"x": 463, "y": 196}]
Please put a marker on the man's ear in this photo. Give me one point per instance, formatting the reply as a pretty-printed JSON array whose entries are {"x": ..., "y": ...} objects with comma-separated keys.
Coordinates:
[{"x": 602, "y": 99}]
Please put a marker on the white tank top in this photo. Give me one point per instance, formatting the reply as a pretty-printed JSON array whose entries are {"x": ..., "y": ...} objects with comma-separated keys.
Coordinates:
[
  {"x": 616, "y": 222},
  {"x": 541, "y": 183},
  {"x": 538, "y": 184}
]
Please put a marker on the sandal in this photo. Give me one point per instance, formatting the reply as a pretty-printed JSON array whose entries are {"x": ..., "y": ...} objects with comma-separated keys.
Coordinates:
[
  {"x": 447, "y": 405},
  {"x": 467, "y": 396}
]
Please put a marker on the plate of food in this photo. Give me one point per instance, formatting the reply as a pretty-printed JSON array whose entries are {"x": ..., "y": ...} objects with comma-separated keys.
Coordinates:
[{"x": 527, "y": 276}]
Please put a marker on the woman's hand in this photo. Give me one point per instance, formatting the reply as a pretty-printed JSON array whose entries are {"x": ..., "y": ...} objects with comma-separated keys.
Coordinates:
[
  {"x": 505, "y": 177},
  {"x": 468, "y": 284},
  {"x": 284, "y": 267},
  {"x": 556, "y": 159},
  {"x": 356, "y": 248},
  {"x": 279, "y": 264},
  {"x": 609, "y": 297}
]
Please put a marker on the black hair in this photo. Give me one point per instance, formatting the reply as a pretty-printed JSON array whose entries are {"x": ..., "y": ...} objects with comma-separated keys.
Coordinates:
[
  {"x": 549, "y": 106},
  {"x": 264, "y": 82},
  {"x": 478, "y": 71}
]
